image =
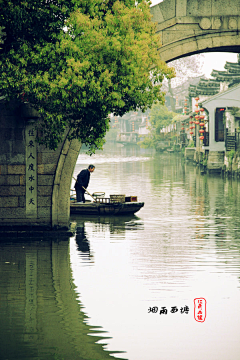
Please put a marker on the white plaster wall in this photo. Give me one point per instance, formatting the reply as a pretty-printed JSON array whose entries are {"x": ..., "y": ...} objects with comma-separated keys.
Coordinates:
[
  {"x": 213, "y": 145},
  {"x": 229, "y": 98},
  {"x": 143, "y": 130}
]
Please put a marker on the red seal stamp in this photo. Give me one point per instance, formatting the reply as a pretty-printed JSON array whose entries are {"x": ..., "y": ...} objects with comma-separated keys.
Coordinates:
[{"x": 200, "y": 309}]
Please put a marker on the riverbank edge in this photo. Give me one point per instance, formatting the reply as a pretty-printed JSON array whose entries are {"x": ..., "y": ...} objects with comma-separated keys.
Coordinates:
[
  {"x": 218, "y": 162},
  {"x": 37, "y": 233}
]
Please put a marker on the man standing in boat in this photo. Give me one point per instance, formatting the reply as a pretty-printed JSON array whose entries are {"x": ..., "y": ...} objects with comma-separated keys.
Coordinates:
[{"x": 82, "y": 182}]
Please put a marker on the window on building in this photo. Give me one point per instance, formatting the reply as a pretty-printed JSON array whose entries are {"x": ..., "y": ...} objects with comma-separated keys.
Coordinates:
[{"x": 219, "y": 124}]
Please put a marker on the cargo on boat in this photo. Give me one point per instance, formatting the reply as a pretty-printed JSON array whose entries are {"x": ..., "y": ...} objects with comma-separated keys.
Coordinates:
[{"x": 115, "y": 205}]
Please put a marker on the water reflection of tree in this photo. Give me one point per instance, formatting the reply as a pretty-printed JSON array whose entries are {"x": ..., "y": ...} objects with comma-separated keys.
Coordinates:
[{"x": 167, "y": 167}]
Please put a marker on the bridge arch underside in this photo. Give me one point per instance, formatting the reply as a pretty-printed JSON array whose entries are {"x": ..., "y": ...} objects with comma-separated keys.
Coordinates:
[
  {"x": 205, "y": 42},
  {"x": 188, "y": 27}
]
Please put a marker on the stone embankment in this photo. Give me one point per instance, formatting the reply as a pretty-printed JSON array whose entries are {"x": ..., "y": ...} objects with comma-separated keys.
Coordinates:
[{"x": 215, "y": 161}]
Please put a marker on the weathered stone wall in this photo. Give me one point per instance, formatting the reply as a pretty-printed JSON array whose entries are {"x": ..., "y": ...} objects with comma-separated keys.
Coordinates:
[
  {"x": 232, "y": 165},
  {"x": 53, "y": 174},
  {"x": 189, "y": 153},
  {"x": 12, "y": 164},
  {"x": 215, "y": 161}
]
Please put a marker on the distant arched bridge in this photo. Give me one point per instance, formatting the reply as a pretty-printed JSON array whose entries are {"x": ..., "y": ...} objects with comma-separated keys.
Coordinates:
[{"x": 193, "y": 26}]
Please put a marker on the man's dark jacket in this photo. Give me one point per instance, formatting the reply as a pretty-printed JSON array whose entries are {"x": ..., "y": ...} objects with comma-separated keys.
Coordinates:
[{"x": 82, "y": 179}]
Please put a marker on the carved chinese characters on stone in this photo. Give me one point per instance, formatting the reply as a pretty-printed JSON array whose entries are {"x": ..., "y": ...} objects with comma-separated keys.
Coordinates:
[{"x": 31, "y": 171}]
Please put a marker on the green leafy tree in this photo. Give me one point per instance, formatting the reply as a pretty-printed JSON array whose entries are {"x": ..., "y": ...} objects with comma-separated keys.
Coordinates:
[
  {"x": 77, "y": 61},
  {"x": 160, "y": 117},
  {"x": 2, "y": 35}
]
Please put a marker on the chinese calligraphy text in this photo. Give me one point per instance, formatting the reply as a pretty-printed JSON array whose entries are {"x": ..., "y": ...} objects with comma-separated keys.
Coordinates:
[
  {"x": 163, "y": 310},
  {"x": 200, "y": 309},
  {"x": 31, "y": 171}
]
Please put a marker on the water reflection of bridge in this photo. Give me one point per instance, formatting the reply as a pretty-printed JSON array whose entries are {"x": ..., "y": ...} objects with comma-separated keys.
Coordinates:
[{"x": 41, "y": 317}]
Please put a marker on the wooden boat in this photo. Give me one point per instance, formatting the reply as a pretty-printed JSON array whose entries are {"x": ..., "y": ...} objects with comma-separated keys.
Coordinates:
[{"x": 100, "y": 208}]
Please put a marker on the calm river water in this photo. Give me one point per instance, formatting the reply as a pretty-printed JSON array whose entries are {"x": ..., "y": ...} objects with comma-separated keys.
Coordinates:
[{"x": 130, "y": 282}]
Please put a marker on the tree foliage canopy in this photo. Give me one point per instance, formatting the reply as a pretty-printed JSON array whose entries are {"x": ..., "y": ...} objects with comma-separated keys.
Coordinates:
[
  {"x": 160, "y": 117},
  {"x": 77, "y": 61}
]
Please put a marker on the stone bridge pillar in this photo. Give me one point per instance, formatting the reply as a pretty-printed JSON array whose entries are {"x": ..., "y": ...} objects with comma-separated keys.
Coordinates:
[{"x": 34, "y": 181}]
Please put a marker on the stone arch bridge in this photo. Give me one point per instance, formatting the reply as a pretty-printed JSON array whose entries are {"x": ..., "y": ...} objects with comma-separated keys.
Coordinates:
[
  {"x": 35, "y": 182},
  {"x": 193, "y": 26}
]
